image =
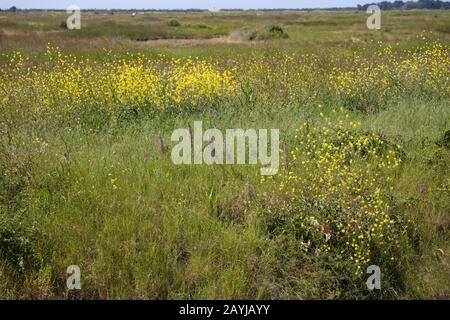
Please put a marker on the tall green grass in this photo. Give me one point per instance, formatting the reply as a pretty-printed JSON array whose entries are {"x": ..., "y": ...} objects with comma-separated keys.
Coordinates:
[{"x": 101, "y": 193}]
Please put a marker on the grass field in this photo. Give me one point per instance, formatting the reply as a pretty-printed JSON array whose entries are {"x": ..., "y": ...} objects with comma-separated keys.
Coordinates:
[{"x": 87, "y": 179}]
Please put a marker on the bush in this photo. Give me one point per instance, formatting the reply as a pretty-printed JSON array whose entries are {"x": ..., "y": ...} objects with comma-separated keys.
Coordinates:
[
  {"x": 15, "y": 245},
  {"x": 269, "y": 32},
  {"x": 277, "y": 31},
  {"x": 444, "y": 141},
  {"x": 173, "y": 23},
  {"x": 203, "y": 26},
  {"x": 335, "y": 194}
]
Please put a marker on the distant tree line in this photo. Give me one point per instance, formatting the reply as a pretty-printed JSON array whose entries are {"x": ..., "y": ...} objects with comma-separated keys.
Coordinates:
[
  {"x": 384, "y": 5},
  {"x": 15, "y": 9},
  {"x": 409, "y": 5}
]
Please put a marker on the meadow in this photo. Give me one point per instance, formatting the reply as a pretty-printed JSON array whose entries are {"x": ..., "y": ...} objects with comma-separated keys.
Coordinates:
[{"x": 86, "y": 176}]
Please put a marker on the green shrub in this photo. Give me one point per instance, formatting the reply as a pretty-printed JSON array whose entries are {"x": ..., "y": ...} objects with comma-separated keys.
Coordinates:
[
  {"x": 173, "y": 23},
  {"x": 15, "y": 245},
  {"x": 277, "y": 31},
  {"x": 273, "y": 31}
]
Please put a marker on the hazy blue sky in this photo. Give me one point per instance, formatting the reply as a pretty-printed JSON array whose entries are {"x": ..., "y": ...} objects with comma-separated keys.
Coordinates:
[{"x": 178, "y": 4}]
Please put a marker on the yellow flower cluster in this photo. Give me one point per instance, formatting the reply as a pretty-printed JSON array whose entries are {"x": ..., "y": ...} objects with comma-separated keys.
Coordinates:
[
  {"x": 197, "y": 79},
  {"x": 369, "y": 81},
  {"x": 283, "y": 76},
  {"x": 336, "y": 179},
  {"x": 66, "y": 84}
]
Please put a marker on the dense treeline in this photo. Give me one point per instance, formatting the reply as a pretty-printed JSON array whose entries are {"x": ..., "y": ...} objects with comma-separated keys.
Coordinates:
[
  {"x": 409, "y": 5},
  {"x": 384, "y": 5}
]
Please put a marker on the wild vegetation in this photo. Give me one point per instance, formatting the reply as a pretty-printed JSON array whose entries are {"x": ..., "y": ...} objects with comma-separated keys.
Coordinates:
[{"x": 86, "y": 176}]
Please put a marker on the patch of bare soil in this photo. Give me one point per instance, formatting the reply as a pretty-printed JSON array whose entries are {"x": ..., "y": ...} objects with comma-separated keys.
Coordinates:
[
  {"x": 192, "y": 42},
  {"x": 21, "y": 33}
]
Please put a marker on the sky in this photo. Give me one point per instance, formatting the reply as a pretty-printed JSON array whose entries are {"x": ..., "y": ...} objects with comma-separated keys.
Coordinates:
[{"x": 178, "y": 4}]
